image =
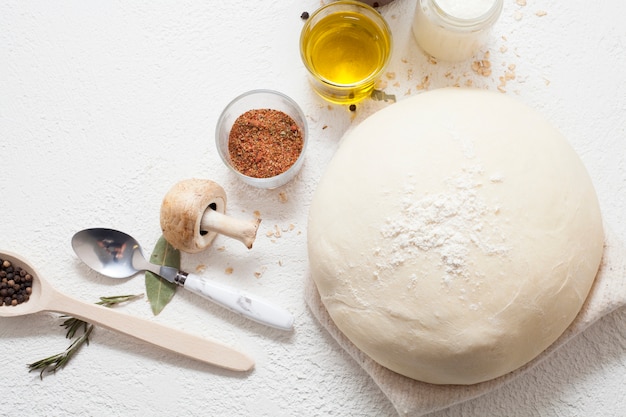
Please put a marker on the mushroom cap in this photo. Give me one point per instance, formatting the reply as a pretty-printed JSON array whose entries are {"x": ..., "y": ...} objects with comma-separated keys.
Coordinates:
[{"x": 182, "y": 210}]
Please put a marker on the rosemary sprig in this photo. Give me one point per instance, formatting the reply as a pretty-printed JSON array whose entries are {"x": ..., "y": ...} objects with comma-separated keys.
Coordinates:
[{"x": 72, "y": 324}]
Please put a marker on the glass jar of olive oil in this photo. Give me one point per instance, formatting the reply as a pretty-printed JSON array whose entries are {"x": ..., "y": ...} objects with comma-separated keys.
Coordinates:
[{"x": 345, "y": 46}]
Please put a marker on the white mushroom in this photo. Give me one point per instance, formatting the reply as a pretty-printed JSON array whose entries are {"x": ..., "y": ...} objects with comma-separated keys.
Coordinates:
[{"x": 192, "y": 214}]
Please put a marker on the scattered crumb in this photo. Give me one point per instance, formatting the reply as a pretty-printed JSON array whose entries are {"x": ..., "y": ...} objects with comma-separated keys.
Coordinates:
[
  {"x": 277, "y": 232},
  {"x": 280, "y": 262},
  {"x": 324, "y": 127},
  {"x": 390, "y": 75},
  {"x": 521, "y": 2},
  {"x": 541, "y": 13},
  {"x": 518, "y": 15},
  {"x": 482, "y": 67},
  {"x": 509, "y": 74},
  {"x": 282, "y": 196},
  {"x": 228, "y": 270},
  {"x": 469, "y": 82},
  {"x": 409, "y": 74},
  {"x": 200, "y": 268},
  {"x": 432, "y": 60},
  {"x": 260, "y": 271},
  {"x": 221, "y": 248},
  {"x": 424, "y": 83},
  {"x": 381, "y": 84},
  {"x": 257, "y": 214},
  {"x": 504, "y": 48}
]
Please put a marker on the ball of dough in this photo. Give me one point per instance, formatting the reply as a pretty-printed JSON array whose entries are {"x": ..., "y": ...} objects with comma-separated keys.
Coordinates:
[{"x": 454, "y": 236}]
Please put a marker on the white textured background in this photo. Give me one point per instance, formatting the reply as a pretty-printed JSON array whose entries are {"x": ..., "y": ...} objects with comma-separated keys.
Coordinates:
[{"x": 106, "y": 104}]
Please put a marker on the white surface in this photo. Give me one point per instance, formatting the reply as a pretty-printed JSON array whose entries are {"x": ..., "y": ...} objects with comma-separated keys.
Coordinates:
[{"x": 104, "y": 106}]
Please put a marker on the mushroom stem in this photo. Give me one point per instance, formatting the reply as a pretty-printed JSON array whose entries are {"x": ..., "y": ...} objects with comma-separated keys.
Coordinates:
[{"x": 242, "y": 230}]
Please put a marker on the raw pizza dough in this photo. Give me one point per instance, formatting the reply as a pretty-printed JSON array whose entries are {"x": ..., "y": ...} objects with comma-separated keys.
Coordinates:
[{"x": 454, "y": 236}]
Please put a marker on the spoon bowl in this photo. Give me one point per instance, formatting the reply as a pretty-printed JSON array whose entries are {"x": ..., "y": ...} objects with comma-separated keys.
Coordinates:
[
  {"x": 109, "y": 252},
  {"x": 45, "y": 297}
]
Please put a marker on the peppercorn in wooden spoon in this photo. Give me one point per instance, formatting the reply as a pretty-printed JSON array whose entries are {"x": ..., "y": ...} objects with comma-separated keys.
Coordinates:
[{"x": 44, "y": 297}]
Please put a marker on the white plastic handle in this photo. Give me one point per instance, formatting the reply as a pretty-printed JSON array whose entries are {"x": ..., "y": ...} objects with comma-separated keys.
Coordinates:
[{"x": 236, "y": 301}]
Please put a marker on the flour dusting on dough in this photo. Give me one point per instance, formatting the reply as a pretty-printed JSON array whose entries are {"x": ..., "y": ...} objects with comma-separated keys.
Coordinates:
[{"x": 449, "y": 223}]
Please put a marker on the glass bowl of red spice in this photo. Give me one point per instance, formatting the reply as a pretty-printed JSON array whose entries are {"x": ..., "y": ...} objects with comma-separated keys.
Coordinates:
[{"x": 262, "y": 136}]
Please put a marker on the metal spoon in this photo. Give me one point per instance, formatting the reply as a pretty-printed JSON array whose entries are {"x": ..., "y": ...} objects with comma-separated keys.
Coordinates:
[
  {"x": 45, "y": 298},
  {"x": 118, "y": 255}
]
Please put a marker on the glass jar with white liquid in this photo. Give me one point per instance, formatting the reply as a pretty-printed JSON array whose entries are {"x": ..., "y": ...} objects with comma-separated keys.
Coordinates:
[{"x": 454, "y": 30}]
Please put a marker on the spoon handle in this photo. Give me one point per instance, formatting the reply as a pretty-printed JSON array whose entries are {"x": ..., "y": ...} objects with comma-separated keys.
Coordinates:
[
  {"x": 177, "y": 341},
  {"x": 247, "y": 305}
]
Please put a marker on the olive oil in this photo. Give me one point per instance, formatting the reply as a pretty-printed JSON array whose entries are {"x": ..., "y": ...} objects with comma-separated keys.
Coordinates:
[{"x": 345, "y": 51}]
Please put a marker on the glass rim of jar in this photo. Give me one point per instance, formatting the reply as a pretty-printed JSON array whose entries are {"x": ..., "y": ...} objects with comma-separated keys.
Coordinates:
[
  {"x": 375, "y": 15},
  {"x": 476, "y": 23}
]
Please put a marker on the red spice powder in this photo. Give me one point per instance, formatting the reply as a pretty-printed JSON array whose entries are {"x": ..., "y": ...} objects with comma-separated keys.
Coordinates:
[{"x": 264, "y": 143}]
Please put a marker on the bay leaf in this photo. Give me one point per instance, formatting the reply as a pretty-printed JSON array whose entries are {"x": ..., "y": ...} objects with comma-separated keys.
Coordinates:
[{"x": 158, "y": 290}]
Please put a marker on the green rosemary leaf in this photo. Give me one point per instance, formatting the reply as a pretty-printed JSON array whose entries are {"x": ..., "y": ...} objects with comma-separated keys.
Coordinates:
[
  {"x": 72, "y": 325},
  {"x": 159, "y": 290},
  {"x": 54, "y": 362},
  {"x": 111, "y": 301}
]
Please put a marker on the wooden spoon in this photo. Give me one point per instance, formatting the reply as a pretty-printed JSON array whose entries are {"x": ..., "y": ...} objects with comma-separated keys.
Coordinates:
[{"x": 45, "y": 298}]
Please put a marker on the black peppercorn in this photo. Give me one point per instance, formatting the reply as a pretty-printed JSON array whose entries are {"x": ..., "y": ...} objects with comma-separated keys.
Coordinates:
[
  {"x": 304, "y": 15},
  {"x": 352, "y": 107},
  {"x": 15, "y": 284}
]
